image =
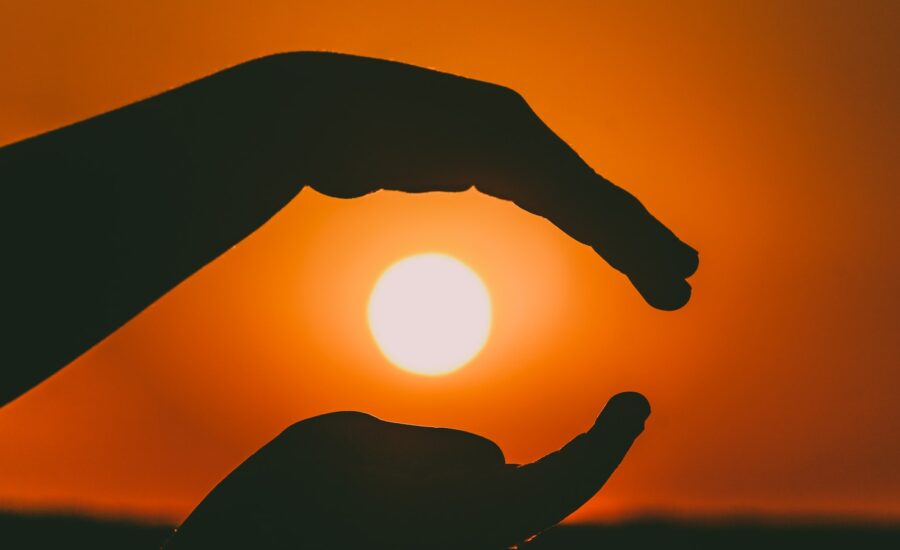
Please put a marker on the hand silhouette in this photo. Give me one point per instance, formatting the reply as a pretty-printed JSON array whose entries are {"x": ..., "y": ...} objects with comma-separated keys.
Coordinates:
[
  {"x": 112, "y": 212},
  {"x": 349, "y": 480}
]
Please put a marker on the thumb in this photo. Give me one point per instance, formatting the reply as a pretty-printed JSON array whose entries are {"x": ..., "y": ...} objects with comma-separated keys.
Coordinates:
[{"x": 541, "y": 494}]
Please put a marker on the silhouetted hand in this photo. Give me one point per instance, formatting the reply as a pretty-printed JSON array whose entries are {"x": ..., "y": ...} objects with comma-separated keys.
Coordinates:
[
  {"x": 112, "y": 212},
  {"x": 395, "y": 126},
  {"x": 349, "y": 480}
]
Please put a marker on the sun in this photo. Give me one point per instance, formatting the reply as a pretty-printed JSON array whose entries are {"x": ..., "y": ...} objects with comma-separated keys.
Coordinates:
[{"x": 430, "y": 314}]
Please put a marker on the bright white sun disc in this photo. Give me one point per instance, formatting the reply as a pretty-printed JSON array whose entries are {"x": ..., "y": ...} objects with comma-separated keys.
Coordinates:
[{"x": 429, "y": 314}]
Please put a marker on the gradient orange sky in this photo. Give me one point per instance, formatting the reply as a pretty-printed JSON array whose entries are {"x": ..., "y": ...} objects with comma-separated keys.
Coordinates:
[{"x": 765, "y": 135}]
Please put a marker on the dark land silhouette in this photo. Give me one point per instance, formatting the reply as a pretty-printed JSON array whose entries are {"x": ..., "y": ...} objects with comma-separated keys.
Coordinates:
[
  {"x": 33, "y": 532},
  {"x": 113, "y": 212}
]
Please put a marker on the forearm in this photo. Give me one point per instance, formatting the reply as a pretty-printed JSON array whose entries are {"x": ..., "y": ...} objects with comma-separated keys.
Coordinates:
[{"x": 106, "y": 215}]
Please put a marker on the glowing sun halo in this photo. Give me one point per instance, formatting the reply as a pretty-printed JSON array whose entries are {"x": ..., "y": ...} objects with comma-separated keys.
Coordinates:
[{"x": 430, "y": 314}]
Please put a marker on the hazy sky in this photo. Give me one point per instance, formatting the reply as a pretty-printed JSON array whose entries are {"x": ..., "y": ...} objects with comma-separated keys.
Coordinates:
[{"x": 766, "y": 136}]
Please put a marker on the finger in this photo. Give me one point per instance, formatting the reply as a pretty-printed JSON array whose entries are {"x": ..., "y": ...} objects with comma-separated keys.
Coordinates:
[
  {"x": 440, "y": 449},
  {"x": 544, "y": 176},
  {"x": 528, "y": 499},
  {"x": 383, "y": 446}
]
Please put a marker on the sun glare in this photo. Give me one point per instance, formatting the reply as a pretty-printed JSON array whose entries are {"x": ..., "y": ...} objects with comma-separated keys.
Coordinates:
[{"x": 430, "y": 314}]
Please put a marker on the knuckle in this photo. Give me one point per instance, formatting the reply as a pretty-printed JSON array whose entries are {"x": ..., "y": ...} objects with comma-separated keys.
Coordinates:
[
  {"x": 513, "y": 99},
  {"x": 330, "y": 421}
]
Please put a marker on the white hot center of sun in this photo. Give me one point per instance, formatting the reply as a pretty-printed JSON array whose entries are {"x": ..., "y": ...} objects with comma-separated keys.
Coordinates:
[{"x": 429, "y": 314}]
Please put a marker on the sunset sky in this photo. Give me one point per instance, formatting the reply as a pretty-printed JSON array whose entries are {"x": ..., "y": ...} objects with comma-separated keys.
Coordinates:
[{"x": 766, "y": 136}]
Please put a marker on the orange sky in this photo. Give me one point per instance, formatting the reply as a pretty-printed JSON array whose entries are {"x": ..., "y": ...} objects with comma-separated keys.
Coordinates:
[{"x": 766, "y": 137}]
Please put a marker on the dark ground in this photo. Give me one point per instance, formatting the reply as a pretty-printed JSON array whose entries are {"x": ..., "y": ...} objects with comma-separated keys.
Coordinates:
[{"x": 32, "y": 532}]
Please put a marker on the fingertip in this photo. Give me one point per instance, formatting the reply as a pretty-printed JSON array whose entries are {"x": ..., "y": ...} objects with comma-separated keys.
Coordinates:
[
  {"x": 631, "y": 404},
  {"x": 662, "y": 292},
  {"x": 690, "y": 261},
  {"x": 628, "y": 410}
]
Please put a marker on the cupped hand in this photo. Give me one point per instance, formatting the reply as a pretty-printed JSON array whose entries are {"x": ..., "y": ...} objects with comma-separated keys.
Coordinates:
[{"x": 350, "y": 480}]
